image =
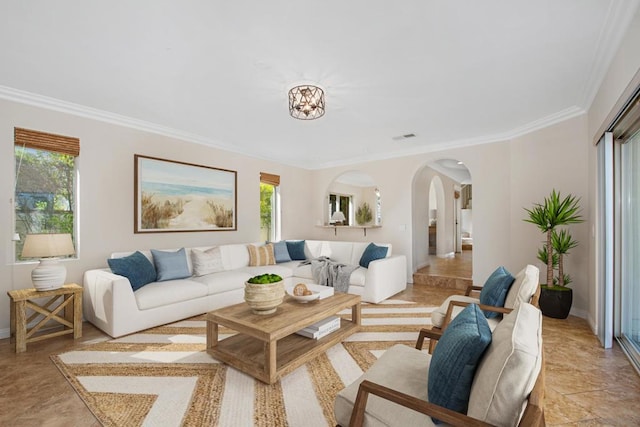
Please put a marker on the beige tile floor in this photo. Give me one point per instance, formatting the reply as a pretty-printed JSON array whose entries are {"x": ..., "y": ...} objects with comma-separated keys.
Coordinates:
[{"x": 586, "y": 385}]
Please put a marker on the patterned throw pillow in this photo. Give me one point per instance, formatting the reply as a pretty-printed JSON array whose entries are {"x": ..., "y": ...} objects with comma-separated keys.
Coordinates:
[
  {"x": 261, "y": 255},
  {"x": 206, "y": 262},
  {"x": 171, "y": 265},
  {"x": 135, "y": 267}
]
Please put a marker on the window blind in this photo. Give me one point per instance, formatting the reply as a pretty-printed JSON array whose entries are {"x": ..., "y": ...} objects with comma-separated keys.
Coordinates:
[
  {"x": 47, "y": 141},
  {"x": 270, "y": 179}
]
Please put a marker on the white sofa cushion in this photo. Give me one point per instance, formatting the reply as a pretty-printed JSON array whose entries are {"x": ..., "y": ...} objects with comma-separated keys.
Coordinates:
[
  {"x": 509, "y": 368},
  {"x": 523, "y": 288},
  {"x": 282, "y": 270},
  {"x": 157, "y": 294},
  {"x": 358, "y": 276},
  {"x": 234, "y": 256},
  {"x": 340, "y": 252},
  {"x": 223, "y": 281}
]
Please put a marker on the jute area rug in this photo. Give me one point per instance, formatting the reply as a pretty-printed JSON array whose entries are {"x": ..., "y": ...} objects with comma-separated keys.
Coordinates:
[{"x": 164, "y": 377}]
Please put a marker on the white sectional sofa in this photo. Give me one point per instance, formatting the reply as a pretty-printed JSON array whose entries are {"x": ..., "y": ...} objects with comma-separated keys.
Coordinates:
[{"x": 111, "y": 304}]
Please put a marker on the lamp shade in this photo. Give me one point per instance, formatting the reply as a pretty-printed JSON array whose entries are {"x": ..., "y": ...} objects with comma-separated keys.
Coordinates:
[
  {"x": 47, "y": 245},
  {"x": 49, "y": 274},
  {"x": 338, "y": 216}
]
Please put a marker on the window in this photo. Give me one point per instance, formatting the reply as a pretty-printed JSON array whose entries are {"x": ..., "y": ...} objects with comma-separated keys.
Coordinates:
[
  {"x": 269, "y": 207},
  {"x": 45, "y": 186},
  {"x": 342, "y": 203}
]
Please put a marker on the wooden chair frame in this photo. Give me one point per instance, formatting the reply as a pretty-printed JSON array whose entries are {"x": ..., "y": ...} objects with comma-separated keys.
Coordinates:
[
  {"x": 533, "y": 415},
  {"x": 434, "y": 333}
]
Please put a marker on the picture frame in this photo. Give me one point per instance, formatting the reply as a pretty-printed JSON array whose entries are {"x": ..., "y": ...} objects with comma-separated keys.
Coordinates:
[{"x": 172, "y": 196}]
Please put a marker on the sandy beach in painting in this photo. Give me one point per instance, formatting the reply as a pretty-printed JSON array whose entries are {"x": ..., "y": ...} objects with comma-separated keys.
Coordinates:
[{"x": 196, "y": 210}]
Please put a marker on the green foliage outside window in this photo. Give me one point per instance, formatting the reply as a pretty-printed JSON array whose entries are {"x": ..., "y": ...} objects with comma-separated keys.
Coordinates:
[
  {"x": 266, "y": 210},
  {"x": 44, "y": 196}
]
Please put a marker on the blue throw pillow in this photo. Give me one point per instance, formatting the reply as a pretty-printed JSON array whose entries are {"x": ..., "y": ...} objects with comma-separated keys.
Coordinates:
[
  {"x": 135, "y": 267},
  {"x": 455, "y": 359},
  {"x": 494, "y": 291},
  {"x": 296, "y": 250},
  {"x": 171, "y": 265},
  {"x": 372, "y": 253},
  {"x": 281, "y": 252}
]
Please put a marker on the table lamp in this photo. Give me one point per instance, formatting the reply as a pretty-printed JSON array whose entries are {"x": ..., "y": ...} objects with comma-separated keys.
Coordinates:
[
  {"x": 49, "y": 274},
  {"x": 338, "y": 218}
]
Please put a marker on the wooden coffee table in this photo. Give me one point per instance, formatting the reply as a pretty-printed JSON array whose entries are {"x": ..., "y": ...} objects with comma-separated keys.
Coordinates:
[{"x": 266, "y": 346}]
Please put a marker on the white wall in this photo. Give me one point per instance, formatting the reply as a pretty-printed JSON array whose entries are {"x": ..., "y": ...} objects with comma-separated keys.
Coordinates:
[
  {"x": 554, "y": 157},
  {"x": 106, "y": 193}
]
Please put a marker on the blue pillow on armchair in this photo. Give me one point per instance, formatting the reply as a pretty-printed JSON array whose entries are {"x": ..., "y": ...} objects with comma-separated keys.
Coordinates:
[
  {"x": 455, "y": 359},
  {"x": 135, "y": 267},
  {"x": 495, "y": 289}
]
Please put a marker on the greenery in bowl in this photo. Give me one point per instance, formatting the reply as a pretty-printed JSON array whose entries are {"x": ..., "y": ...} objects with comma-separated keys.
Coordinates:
[
  {"x": 552, "y": 213},
  {"x": 265, "y": 279}
]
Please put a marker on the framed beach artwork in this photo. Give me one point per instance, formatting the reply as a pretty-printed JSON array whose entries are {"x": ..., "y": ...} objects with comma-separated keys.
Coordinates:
[{"x": 174, "y": 196}]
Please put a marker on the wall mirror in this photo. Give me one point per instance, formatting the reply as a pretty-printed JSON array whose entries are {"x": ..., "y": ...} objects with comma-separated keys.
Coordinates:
[{"x": 353, "y": 199}]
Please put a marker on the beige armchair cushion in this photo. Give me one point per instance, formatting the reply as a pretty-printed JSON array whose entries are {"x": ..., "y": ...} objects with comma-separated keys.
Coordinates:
[
  {"x": 509, "y": 368},
  {"x": 523, "y": 288},
  {"x": 401, "y": 368},
  {"x": 437, "y": 315}
]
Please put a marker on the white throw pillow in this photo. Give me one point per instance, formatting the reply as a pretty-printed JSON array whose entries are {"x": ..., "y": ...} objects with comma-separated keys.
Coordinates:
[
  {"x": 509, "y": 368},
  {"x": 523, "y": 288},
  {"x": 206, "y": 262}
]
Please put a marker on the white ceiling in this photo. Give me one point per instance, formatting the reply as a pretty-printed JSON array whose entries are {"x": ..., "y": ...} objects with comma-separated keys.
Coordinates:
[{"x": 454, "y": 73}]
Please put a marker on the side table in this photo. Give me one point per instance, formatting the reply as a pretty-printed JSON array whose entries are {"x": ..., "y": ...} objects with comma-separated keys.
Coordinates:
[{"x": 70, "y": 302}]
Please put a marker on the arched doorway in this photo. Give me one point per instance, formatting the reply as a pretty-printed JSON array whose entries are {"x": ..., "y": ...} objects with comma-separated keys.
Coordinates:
[{"x": 441, "y": 197}]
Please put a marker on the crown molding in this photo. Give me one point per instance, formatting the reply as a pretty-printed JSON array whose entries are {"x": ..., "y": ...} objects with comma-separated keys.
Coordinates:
[
  {"x": 55, "y": 104},
  {"x": 533, "y": 126},
  {"x": 46, "y": 102},
  {"x": 615, "y": 26}
]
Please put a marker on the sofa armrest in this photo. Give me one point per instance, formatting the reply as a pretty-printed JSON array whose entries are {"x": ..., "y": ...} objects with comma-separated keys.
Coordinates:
[
  {"x": 385, "y": 277},
  {"x": 446, "y": 415},
  {"x": 103, "y": 292}
]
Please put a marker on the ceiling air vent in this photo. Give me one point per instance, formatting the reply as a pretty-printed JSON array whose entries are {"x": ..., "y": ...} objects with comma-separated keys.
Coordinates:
[{"x": 405, "y": 136}]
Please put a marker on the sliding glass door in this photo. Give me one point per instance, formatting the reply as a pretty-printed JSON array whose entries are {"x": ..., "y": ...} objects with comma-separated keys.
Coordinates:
[{"x": 629, "y": 301}]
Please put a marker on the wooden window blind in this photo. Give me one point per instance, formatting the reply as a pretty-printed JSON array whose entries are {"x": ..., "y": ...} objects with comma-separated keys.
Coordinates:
[
  {"x": 47, "y": 141},
  {"x": 270, "y": 179}
]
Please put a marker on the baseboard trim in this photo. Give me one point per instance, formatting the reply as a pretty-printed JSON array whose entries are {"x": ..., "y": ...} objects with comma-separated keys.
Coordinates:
[{"x": 4, "y": 333}]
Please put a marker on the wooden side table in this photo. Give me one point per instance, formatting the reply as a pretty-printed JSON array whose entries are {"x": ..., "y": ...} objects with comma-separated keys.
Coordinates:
[{"x": 70, "y": 302}]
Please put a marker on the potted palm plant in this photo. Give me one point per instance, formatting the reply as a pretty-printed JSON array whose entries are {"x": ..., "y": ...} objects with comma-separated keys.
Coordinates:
[{"x": 555, "y": 297}]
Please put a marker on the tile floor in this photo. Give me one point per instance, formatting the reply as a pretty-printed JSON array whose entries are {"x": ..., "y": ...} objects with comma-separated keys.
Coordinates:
[{"x": 586, "y": 385}]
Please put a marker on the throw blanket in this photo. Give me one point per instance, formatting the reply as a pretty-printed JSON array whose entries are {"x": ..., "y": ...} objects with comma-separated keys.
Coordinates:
[{"x": 331, "y": 273}]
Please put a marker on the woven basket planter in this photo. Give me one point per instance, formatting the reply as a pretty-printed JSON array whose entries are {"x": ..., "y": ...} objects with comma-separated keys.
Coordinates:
[{"x": 264, "y": 298}]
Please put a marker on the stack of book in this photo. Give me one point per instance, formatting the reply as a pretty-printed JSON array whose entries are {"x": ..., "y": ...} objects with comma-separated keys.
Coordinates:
[{"x": 321, "y": 328}]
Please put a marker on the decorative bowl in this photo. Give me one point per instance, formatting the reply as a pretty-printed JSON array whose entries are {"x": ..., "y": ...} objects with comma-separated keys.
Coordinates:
[
  {"x": 304, "y": 298},
  {"x": 264, "y": 298}
]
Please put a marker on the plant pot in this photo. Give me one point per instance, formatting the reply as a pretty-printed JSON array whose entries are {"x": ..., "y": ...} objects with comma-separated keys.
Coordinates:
[
  {"x": 264, "y": 298},
  {"x": 555, "y": 302}
]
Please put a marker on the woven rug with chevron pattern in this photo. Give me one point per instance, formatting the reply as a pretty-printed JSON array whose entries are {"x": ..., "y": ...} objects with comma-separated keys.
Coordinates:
[{"x": 164, "y": 377}]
